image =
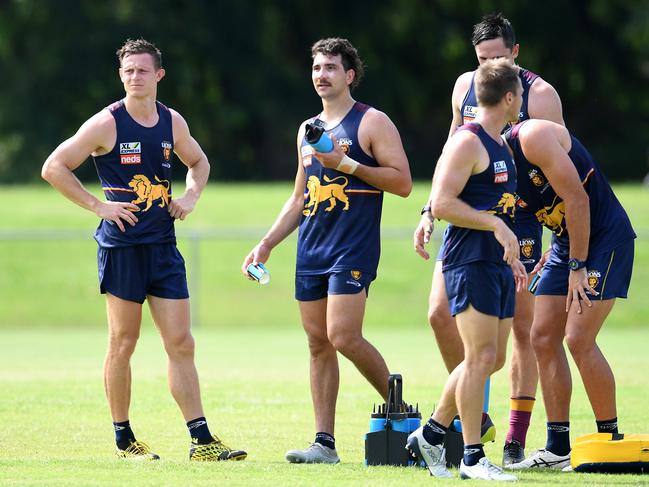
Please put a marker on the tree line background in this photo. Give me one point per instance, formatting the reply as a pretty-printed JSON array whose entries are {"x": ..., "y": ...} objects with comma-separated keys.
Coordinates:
[{"x": 239, "y": 72}]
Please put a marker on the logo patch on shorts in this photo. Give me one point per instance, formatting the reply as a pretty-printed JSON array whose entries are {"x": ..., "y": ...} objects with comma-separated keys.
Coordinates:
[
  {"x": 527, "y": 246},
  {"x": 356, "y": 275},
  {"x": 130, "y": 153},
  {"x": 593, "y": 278}
]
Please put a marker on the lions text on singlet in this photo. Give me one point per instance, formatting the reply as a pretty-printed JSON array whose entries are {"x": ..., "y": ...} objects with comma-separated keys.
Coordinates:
[
  {"x": 138, "y": 170},
  {"x": 340, "y": 224},
  {"x": 609, "y": 223},
  {"x": 493, "y": 191}
]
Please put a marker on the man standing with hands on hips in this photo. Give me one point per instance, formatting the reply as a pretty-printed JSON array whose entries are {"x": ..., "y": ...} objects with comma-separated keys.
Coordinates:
[{"x": 131, "y": 142}]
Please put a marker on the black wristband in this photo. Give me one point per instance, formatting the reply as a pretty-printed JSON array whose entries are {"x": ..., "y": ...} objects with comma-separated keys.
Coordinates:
[{"x": 425, "y": 209}]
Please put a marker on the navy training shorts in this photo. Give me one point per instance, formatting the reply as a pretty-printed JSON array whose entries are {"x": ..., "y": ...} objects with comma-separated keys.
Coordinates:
[
  {"x": 609, "y": 273},
  {"x": 487, "y": 286},
  {"x": 132, "y": 273},
  {"x": 312, "y": 288}
]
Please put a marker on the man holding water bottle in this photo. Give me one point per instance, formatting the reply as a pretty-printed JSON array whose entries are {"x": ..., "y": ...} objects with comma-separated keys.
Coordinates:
[{"x": 336, "y": 204}]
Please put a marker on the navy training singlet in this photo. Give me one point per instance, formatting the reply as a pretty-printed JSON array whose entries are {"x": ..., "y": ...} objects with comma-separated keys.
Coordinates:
[
  {"x": 340, "y": 225},
  {"x": 469, "y": 107},
  {"x": 138, "y": 170},
  {"x": 494, "y": 191},
  {"x": 609, "y": 223}
]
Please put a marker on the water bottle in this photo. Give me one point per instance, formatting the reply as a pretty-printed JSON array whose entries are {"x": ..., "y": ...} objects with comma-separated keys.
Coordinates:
[{"x": 316, "y": 137}]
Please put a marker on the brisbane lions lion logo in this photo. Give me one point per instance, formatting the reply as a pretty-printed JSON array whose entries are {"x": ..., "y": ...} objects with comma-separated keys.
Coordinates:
[
  {"x": 553, "y": 217},
  {"x": 505, "y": 206},
  {"x": 319, "y": 193},
  {"x": 148, "y": 193},
  {"x": 593, "y": 278},
  {"x": 527, "y": 247}
]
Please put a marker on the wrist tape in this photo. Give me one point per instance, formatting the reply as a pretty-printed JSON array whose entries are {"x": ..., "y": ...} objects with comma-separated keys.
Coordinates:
[{"x": 347, "y": 165}]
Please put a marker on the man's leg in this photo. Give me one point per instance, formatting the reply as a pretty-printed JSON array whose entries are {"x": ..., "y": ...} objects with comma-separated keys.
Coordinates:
[
  {"x": 485, "y": 344},
  {"x": 448, "y": 339},
  {"x": 172, "y": 318},
  {"x": 442, "y": 323},
  {"x": 323, "y": 365},
  {"x": 123, "y": 331},
  {"x": 344, "y": 328},
  {"x": 523, "y": 378},
  {"x": 581, "y": 334},
  {"x": 324, "y": 379},
  {"x": 548, "y": 331},
  {"x": 480, "y": 334}
]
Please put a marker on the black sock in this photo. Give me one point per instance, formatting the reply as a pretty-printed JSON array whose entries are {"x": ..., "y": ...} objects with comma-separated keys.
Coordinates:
[
  {"x": 473, "y": 453},
  {"x": 123, "y": 434},
  {"x": 434, "y": 432},
  {"x": 607, "y": 426},
  {"x": 325, "y": 439},
  {"x": 199, "y": 431},
  {"x": 558, "y": 437}
]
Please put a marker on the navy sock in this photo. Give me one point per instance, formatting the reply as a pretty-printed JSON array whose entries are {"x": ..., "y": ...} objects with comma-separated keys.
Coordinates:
[
  {"x": 558, "y": 437},
  {"x": 325, "y": 439},
  {"x": 607, "y": 426},
  {"x": 434, "y": 432},
  {"x": 199, "y": 431},
  {"x": 473, "y": 453},
  {"x": 123, "y": 434}
]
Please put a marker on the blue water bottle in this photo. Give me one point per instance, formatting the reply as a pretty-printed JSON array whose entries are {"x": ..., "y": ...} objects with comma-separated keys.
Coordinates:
[{"x": 316, "y": 137}]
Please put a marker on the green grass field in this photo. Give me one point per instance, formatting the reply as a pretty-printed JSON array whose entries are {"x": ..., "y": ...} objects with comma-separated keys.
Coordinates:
[{"x": 54, "y": 421}]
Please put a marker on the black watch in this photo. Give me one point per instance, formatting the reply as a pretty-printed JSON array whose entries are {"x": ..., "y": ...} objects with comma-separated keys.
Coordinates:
[
  {"x": 425, "y": 209},
  {"x": 576, "y": 264}
]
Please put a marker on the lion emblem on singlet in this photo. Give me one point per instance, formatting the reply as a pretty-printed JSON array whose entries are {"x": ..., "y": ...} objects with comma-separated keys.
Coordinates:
[
  {"x": 319, "y": 193},
  {"x": 148, "y": 193},
  {"x": 506, "y": 205},
  {"x": 553, "y": 217}
]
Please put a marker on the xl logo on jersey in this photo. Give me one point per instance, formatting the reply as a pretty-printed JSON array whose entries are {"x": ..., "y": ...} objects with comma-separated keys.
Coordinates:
[
  {"x": 319, "y": 193},
  {"x": 130, "y": 153},
  {"x": 500, "y": 172},
  {"x": 469, "y": 113}
]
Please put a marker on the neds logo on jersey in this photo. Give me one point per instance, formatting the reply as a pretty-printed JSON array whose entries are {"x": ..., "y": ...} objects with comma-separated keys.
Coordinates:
[
  {"x": 500, "y": 172},
  {"x": 130, "y": 153}
]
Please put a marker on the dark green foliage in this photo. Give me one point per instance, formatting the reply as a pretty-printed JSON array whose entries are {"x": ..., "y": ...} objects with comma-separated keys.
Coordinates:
[{"x": 239, "y": 71}]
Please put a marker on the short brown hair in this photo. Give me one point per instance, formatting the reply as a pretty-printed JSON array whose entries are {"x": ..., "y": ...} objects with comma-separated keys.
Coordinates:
[
  {"x": 495, "y": 78},
  {"x": 140, "y": 46},
  {"x": 334, "y": 46}
]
